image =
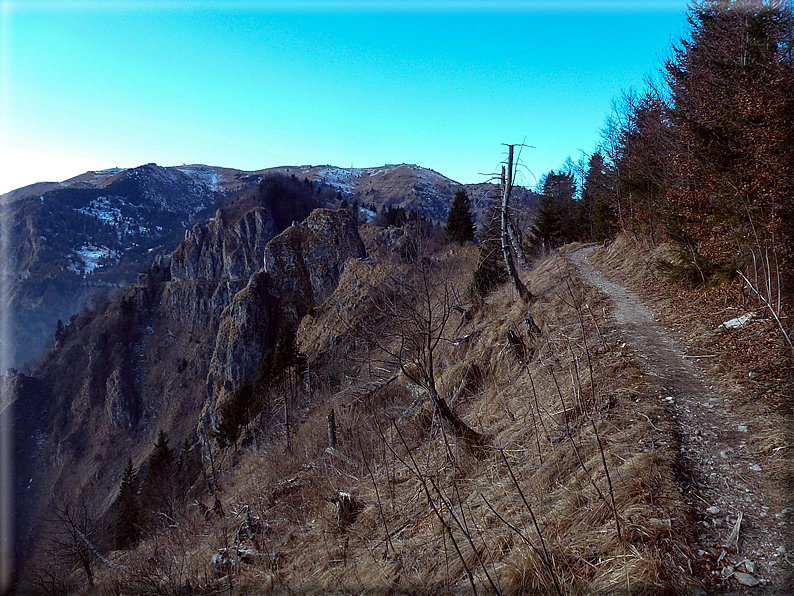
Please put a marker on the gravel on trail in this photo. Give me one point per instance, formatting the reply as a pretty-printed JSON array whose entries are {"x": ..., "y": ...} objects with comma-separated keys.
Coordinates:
[{"x": 743, "y": 522}]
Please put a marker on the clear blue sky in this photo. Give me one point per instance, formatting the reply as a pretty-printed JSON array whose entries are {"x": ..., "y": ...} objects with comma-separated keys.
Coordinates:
[{"x": 91, "y": 85}]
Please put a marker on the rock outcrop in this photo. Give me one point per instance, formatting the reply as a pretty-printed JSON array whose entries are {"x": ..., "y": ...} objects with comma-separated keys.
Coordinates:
[
  {"x": 302, "y": 268},
  {"x": 165, "y": 351},
  {"x": 216, "y": 250},
  {"x": 304, "y": 261}
]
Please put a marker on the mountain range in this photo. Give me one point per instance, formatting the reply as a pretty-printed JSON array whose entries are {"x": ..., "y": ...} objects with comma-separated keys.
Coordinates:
[{"x": 70, "y": 243}]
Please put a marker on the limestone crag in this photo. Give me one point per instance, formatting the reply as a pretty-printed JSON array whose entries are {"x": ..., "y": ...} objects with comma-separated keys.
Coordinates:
[
  {"x": 216, "y": 250},
  {"x": 304, "y": 262},
  {"x": 164, "y": 352},
  {"x": 245, "y": 333},
  {"x": 302, "y": 268},
  {"x": 199, "y": 302}
]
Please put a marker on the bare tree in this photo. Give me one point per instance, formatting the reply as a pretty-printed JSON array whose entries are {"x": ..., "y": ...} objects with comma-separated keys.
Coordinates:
[
  {"x": 74, "y": 530},
  {"x": 415, "y": 306},
  {"x": 507, "y": 249}
]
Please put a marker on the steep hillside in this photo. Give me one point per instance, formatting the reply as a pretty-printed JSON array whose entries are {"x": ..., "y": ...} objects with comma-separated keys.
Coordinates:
[
  {"x": 566, "y": 462},
  {"x": 70, "y": 241},
  {"x": 162, "y": 351},
  {"x": 87, "y": 235}
]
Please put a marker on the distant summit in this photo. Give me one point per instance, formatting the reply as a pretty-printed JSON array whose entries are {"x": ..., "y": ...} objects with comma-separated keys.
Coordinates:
[{"x": 98, "y": 230}]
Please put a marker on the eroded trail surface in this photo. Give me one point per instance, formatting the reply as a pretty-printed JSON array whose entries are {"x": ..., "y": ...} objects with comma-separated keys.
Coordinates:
[{"x": 742, "y": 518}]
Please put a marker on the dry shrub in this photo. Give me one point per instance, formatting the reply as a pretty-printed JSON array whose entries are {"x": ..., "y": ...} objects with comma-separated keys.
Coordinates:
[{"x": 390, "y": 455}]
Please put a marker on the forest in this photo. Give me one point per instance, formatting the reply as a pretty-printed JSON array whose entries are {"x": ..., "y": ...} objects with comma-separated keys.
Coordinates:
[{"x": 704, "y": 156}]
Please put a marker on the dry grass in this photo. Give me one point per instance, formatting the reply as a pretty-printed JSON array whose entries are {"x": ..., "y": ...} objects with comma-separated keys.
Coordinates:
[
  {"x": 749, "y": 364},
  {"x": 434, "y": 516}
]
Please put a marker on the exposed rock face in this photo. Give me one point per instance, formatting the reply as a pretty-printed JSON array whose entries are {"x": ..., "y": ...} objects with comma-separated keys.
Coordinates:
[
  {"x": 245, "y": 333},
  {"x": 199, "y": 302},
  {"x": 304, "y": 262},
  {"x": 66, "y": 241},
  {"x": 213, "y": 250},
  {"x": 302, "y": 268},
  {"x": 165, "y": 351}
]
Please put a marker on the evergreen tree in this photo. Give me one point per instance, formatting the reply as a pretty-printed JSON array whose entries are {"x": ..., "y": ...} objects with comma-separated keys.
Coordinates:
[
  {"x": 596, "y": 220},
  {"x": 157, "y": 493},
  {"x": 234, "y": 413},
  {"x": 490, "y": 270},
  {"x": 126, "y": 522},
  {"x": 731, "y": 83},
  {"x": 59, "y": 330},
  {"x": 460, "y": 223},
  {"x": 555, "y": 223}
]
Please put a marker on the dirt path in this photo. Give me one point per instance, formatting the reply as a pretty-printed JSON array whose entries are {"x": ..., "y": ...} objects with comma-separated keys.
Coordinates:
[{"x": 742, "y": 519}]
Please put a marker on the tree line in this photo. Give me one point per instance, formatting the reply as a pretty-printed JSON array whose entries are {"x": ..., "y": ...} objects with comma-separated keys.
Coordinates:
[{"x": 703, "y": 157}]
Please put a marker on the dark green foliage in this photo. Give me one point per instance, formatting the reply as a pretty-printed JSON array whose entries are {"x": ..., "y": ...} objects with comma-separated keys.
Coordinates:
[
  {"x": 158, "y": 492},
  {"x": 603, "y": 221},
  {"x": 59, "y": 330},
  {"x": 460, "y": 223},
  {"x": 490, "y": 271},
  {"x": 488, "y": 275},
  {"x": 288, "y": 199},
  {"x": 391, "y": 216},
  {"x": 127, "y": 306},
  {"x": 251, "y": 398},
  {"x": 127, "y": 513},
  {"x": 162, "y": 456},
  {"x": 285, "y": 353},
  {"x": 188, "y": 468},
  {"x": 409, "y": 249},
  {"x": 234, "y": 413},
  {"x": 691, "y": 268},
  {"x": 595, "y": 219},
  {"x": 556, "y": 222}
]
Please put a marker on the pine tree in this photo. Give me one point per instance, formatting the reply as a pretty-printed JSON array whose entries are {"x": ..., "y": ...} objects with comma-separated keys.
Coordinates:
[
  {"x": 460, "y": 223},
  {"x": 555, "y": 223},
  {"x": 126, "y": 523},
  {"x": 59, "y": 330},
  {"x": 596, "y": 220},
  {"x": 157, "y": 493},
  {"x": 731, "y": 86},
  {"x": 490, "y": 270}
]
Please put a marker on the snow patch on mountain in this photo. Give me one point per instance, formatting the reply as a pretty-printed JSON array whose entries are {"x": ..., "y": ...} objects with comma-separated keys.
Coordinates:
[
  {"x": 88, "y": 257},
  {"x": 204, "y": 174},
  {"x": 340, "y": 178}
]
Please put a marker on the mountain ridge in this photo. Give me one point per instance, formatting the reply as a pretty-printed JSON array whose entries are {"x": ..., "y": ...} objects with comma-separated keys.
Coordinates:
[{"x": 97, "y": 230}]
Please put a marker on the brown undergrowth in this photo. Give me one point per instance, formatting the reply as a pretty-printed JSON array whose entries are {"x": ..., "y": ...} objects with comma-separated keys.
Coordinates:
[
  {"x": 750, "y": 364},
  {"x": 574, "y": 493}
]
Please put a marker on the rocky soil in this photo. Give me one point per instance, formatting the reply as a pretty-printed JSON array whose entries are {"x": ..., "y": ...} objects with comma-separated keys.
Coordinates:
[{"x": 734, "y": 485}]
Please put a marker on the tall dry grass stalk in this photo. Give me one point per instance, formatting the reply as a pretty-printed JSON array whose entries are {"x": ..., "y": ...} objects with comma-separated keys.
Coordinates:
[{"x": 575, "y": 494}]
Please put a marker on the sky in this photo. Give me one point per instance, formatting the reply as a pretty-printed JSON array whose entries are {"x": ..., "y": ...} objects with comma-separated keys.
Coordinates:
[{"x": 91, "y": 85}]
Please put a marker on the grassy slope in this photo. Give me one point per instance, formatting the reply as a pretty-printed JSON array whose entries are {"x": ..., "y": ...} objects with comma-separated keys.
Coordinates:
[{"x": 559, "y": 472}]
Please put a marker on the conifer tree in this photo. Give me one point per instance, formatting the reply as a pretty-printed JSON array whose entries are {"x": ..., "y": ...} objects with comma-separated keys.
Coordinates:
[
  {"x": 157, "y": 492},
  {"x": 59, "y": 330},
  {"x": 556, "y": 220},
  {"x": 596, "y": 220},
  {"x": 490, "y": 270},
  {"x": 460, "y": 223},
  {"x": 126, "y": 523},
  {"x": 731, "y": 84}
]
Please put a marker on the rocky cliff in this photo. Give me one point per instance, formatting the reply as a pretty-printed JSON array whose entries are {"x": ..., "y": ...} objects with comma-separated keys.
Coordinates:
[
  {"x": 302, "y": 266},
  {"x": 168, "y": 347}
]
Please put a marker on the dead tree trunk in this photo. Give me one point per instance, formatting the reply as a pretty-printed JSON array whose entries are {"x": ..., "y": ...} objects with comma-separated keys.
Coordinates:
[
  {"x": 507, "y": 188},
  {"x": 459, "y": 428},
  {"x": 331, "y": 429},
  {"x": 515, "y": 242}
]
